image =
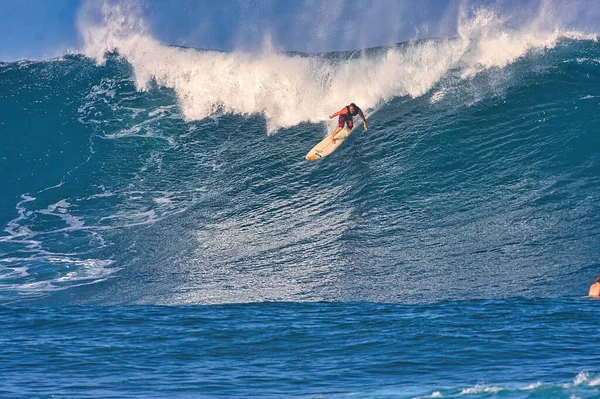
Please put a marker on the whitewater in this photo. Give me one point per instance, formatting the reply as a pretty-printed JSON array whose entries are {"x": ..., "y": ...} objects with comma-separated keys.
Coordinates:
[{"x": 163, "y": 235}]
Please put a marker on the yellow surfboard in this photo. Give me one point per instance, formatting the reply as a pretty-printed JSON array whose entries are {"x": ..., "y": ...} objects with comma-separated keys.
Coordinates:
[{"x": 326, "y": 147}]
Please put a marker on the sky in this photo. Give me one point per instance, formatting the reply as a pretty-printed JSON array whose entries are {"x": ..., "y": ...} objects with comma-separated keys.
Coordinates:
[
  {"x": 39, "y": 29},
  {"x": 36, "y": 28}
]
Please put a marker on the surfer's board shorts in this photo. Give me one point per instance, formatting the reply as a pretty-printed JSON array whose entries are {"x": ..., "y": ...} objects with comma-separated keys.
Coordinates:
[{"x": 343, "y": 120}]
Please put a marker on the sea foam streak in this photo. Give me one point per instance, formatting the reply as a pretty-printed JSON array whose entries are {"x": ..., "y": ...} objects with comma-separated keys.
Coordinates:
[{"x": 290, "y": 89}]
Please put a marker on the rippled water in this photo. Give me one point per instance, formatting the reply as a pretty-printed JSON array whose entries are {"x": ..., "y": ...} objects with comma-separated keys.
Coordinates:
[{"x": 501, "y": 348}]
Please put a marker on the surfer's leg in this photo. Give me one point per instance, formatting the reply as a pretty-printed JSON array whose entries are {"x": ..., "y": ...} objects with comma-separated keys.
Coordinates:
[
  {"x": 341, "y": 123},
  {"x": 336, "y": 131}
]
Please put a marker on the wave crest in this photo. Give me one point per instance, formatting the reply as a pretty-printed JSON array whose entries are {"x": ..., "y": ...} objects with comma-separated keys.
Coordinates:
[{"x": 292, "y": 88}]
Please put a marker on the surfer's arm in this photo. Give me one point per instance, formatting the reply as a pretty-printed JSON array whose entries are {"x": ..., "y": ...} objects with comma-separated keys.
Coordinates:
[
  {"x": 341, "y": 112},
  {"x": 362, "y": 116}
]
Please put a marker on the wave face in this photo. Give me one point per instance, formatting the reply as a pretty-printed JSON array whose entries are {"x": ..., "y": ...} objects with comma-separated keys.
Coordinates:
[{"x": 479, "y": 185}]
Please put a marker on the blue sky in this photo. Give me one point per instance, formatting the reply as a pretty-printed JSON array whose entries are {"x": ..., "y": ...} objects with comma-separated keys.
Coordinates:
[{"x": 36, "y": 29}]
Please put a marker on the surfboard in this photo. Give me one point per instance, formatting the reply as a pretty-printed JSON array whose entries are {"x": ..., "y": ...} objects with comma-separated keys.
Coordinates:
[{"x": 326, "y": 147}]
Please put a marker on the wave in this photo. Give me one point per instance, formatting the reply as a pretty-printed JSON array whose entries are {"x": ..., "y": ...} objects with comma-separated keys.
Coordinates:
[{"x": 147, "y": 169}]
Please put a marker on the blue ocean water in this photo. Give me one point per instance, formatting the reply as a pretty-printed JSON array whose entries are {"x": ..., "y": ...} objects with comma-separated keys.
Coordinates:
[
  {"x": 519, "y": 348},
  {"x": 163, "y": 235}
]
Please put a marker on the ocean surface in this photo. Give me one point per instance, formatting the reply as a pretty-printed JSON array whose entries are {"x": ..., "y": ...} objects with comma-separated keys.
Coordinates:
[{"x": 163, "y": 236}]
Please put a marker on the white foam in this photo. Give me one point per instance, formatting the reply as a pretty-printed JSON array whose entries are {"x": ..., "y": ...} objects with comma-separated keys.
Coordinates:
[
  {"x": 61, "y": 210},
  {"x": 581, "y": 378},
  {"x": 86, "y": 271},
  {"x": 435, "y": 394},
  {"x": 531, "y": 387},
  {"x": 7, "y": 272},
  {"x": 480, "y": 389},
  {"x": 594, "y": 382},
  {"x": 289, "y": 89},
  {"x": 13, "y": 228}
]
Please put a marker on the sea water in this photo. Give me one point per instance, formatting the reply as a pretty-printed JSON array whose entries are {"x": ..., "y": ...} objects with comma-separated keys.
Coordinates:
[{"x": 163, "y": 236}]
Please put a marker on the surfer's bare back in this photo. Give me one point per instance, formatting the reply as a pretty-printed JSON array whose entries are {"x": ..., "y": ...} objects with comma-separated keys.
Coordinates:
[{"x": 346, "y": 117}]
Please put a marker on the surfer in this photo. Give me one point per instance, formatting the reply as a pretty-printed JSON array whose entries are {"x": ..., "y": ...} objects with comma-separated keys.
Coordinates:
[
  {"x": 595, "y": 288},
  {"x": 346, "y": 117}
]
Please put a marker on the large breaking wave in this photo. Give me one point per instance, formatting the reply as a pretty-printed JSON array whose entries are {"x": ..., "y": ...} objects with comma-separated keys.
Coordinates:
[{"x": 145, "y": 169}]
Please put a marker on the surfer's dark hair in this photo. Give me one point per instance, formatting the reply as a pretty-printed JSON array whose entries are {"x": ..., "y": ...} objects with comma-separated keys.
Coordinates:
[
  {"x": 598, "y": 279},
  {"x": 353, "y": 105}
]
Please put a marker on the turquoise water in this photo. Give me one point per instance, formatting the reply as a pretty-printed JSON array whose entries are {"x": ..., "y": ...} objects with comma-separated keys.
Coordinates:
[{"x": 153, "y": 246}]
